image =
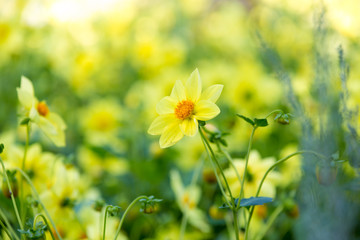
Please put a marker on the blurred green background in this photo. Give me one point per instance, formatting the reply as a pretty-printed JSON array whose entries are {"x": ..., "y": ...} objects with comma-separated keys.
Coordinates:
[{"x": 104, "y": 65}]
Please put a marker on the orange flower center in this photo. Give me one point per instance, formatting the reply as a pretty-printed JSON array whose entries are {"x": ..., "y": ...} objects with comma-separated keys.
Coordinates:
[
  {"x": 184, "y": 109},
  {"x": 188, "y": 202},
  {"x": 42, "y": 109}
]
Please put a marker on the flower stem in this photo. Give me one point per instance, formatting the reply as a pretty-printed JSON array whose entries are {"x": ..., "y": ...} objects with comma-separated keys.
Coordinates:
[
  {"x": 38, "y": 198},
  {"x": 183, "y": 226},
  {"x": 275, "y": 111},
  {"x": 46, "y": 222},
  {"x": 3, "y": 216},
  {"x": 22, "y": 200},
  {"x": 265, "y": 175},
  {"x": 12, "y": 195},
  {"x": 213, "y": 157},
  {"x": 232, "y": 204},
  {"x": 246, "y": 164},
  {"x": 105, "y": 217},
  {"x": 269, "y": 222},
  {"x": 5, "y": 229},
  {"x": 125, "y": 213}
]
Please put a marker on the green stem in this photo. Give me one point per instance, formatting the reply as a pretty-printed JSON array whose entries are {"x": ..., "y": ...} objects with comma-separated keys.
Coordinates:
[
  {"x": 5, "y": 229},
  {"x": 275, "y": 111},
  {"x": 3, "y": 216},
  {"x": 38, "y": 198},
  {"x": 267, "y": 172},
  {"x": 216, "y": 175},
  {"x": 229, "y": 158},
  {"x": 46, "y": 222},
  {"x": 125, "y": 213},
  {"x": 270, "y": 222},
  {"x": 231, "y": 205},
  {"x": 12, "y": 195},
  {"x": 213, "y": 157},
  {"x": 183, "y": 226},
  {"x": 105, "y": 217},
  {"x": 246, "y": 164},
  {"x": 22, "y": 203}
]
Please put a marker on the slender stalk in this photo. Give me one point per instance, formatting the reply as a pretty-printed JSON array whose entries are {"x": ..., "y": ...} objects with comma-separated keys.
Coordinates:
[
  {"x": 125, "y": 213},
  {"x": 3, "y": 216},
  {"x": 46, "y": 222},
  {"x": 5, "y": 229},
  {"x": 216, "y": 161},
  {"x": 38, "y": 198},
  {"x": 105, "y": 217},
  {"x": 275, "y": 111},
  {"x": 12, "y": 195},
  {"x": 216, "y": 175},
  {"x": 231, "y": 161},
  {"x": 231, "y": 205},
  {"x": 246, "y": 164},
  {"x": 270, "y": 222},
  {"x": 267, "y": 172},
  {"x": 183, "y": 226},
  {"x": 22, "y": 201}
]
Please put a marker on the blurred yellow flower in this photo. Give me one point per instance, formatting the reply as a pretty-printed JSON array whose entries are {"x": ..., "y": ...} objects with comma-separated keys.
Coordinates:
[
  {"x": 180, "y": 112},
  {"x": 38, "y": 112},
  {"x": 187, "y": 199},
  {"x": 255, "y": 171}
]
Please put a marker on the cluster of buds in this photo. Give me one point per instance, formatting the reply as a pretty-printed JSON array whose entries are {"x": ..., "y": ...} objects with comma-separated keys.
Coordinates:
[{"x": 150, "y": 205}]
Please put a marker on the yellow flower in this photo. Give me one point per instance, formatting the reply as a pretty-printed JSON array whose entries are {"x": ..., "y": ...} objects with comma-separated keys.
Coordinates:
[
  {"x": 180, "y": 112},
  {"x": 255, "y": 171},
  {"x": 187, "y": 199},
  {"x": 38, "y": 112}
]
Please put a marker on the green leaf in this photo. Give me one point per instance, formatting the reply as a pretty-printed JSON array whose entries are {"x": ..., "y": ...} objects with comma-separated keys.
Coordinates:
[
  {"x": 25, "y": 121},
  {"x": 261, "y": 122},
  {"x": 252, "y": 201},
  {"x": 1, "y": 148},
  {"x": 246, "y": 119}
]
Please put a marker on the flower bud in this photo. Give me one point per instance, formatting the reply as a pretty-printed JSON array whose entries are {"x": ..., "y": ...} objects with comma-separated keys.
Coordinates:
[
  {"x": 283, "y": 118},
  {"x": 209, "y": 176},
  {"x": 13, "y": 182},
  {"x": 291, "y": 208}
]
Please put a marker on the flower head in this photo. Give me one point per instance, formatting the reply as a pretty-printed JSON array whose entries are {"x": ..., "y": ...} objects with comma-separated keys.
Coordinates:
[
  {"x": 180, "y": 112},
  {"x": 38, "y": 112}
]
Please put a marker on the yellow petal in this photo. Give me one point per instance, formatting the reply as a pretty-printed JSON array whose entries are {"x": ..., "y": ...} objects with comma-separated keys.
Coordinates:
[
  {"x": 26, "y": 85},
  {"x": 205, "y": 110},
  {"x": 171, "y": 135},
  {"x": 212, "y": 93},
  {"x": 189, "y": 126},
  {"x": 26, "y": 99},
  {"x": 160, "y": 123},
  {"x": 52, "y": 131},
  {"x": 56, "y": 120},
  {"x": 178, "y": 91},
  {"x": 193, "y": 86},
  {"x": 166, "y": 105}
]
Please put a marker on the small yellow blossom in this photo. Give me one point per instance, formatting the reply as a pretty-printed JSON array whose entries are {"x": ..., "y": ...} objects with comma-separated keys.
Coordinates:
[
  {"x": 38, "y": 112},
  {"x": 180, "y": 112},
  {"x": 187, "y": 199},
  {"x": 255, "y": 171}
]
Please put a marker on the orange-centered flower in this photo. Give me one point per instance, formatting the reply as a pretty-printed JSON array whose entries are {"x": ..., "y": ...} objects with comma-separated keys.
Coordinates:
[
  {"x": 181, "y": 111},
  {"x": 184, "y": 109},
  {"x": 42, "y": 109}
]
